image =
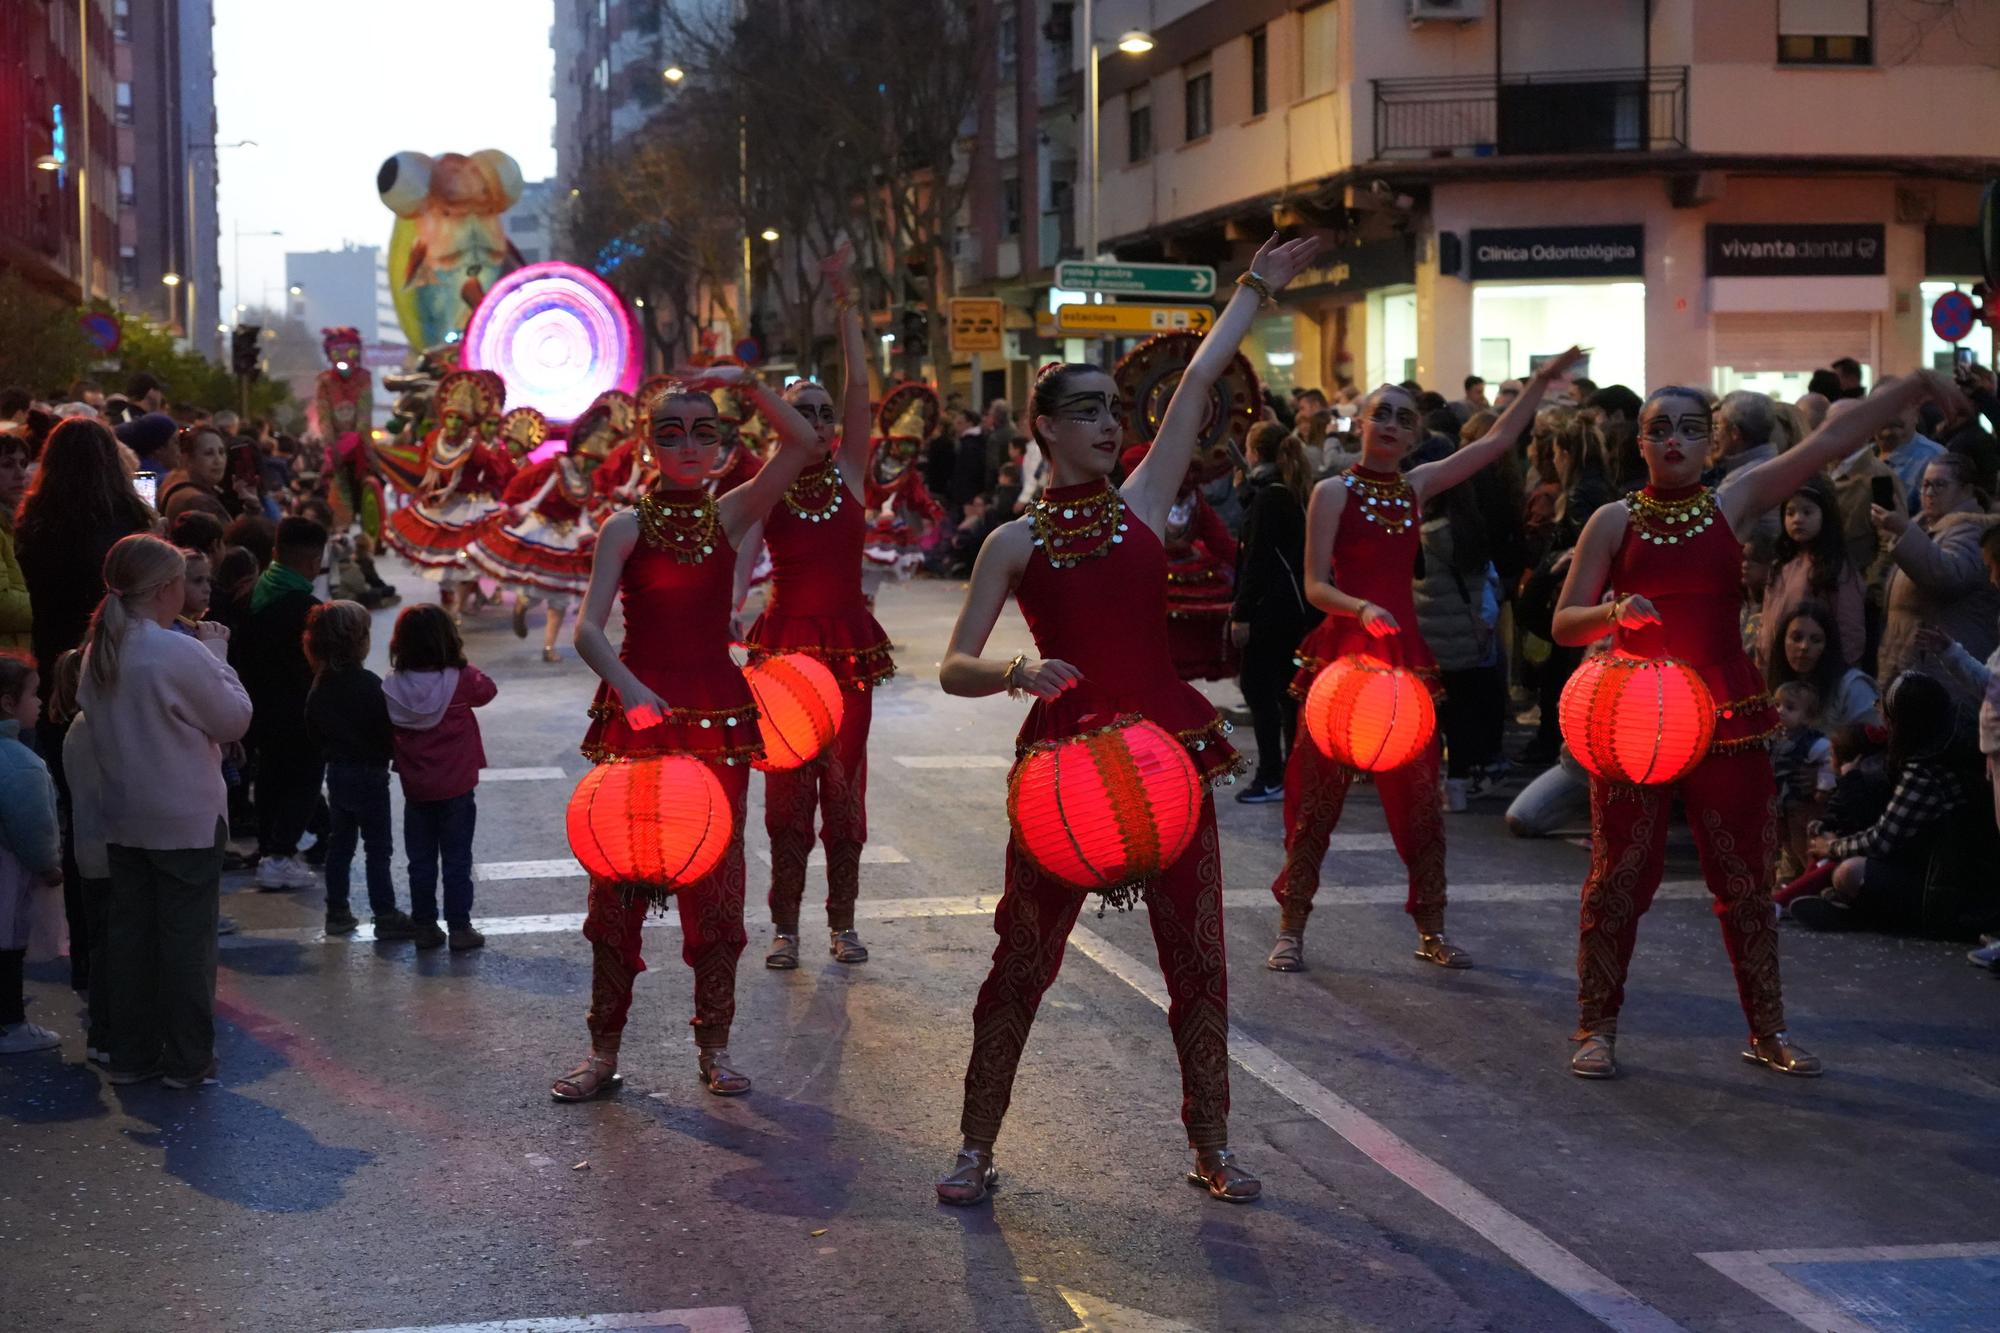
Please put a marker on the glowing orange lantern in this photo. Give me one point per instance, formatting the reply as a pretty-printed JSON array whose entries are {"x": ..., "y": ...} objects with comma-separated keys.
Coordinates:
[
  {"x": 1106, "y": 809},
  {"x": 798, "y": 709},
  {"x": 1364, "y": 713},
  {"x": 663, "y": 823},
  {"x": 1646, "y": 720}
]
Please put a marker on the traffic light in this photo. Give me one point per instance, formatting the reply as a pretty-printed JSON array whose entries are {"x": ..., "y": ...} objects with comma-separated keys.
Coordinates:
[
  {"x": 243, "y": 350},
  {"x": 914, "y": 339}
]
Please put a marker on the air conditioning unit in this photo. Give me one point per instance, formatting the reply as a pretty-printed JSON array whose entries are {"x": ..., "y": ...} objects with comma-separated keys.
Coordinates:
[{"x": 1446, "y": 11}]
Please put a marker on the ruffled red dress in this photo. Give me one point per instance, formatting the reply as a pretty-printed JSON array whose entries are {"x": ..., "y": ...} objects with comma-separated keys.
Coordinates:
[
  {"x": 1375, "y": 553},
  {"x": 435, "y": 531},
  {"x": 815, "y": 605},
  {"x": 1106, "y": 615},
  {"x": 544, "y": 549},
  {"x": 677, "y": 592}
]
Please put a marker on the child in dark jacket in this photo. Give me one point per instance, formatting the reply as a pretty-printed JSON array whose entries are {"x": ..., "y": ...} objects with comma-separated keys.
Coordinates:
[
  {"x": 347, "y": 717},
  {"x": 265, "y": 648},
  {"x": 431, "y": 692}
]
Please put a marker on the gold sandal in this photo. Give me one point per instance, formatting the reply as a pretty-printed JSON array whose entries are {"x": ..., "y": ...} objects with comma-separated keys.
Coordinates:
[
  {"x": 1778, "y": 1052},
  {"x": 718, "y": 1077},
  {"x": 972, "y": 1177},
  {"x": 1437, "y": 949},
  {"x": 784, "y": 955},
  {"x": 1288, "y": 954},
  {"x": 846, "y": 947},
  {"x": 1219, "y": 1174},
  {"x": 1595, "y": 1056},
  {"x": 602, "y": 1074}
]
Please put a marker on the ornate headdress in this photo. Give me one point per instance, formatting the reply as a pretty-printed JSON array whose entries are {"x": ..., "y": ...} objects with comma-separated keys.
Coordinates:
[
  {"x": 1147, "y": 376},
  {"x": 909, "y": 411},
  {"x": 498, "y": 387},
  {"x": 652, "y": 391},
  {"x": 612, "y": 416},
  {"x": 340, "y": 337},
  {"x": 523, "y": 430},
  {"x": 466, "y": 392}
]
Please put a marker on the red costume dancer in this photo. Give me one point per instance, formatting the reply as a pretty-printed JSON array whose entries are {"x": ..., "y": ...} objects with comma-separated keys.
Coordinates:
[
  {"x": 341, "y": 414},
  {"x": 613, "y": 426},
  {"x": 542, "y": 539},
  {"x": 738, "y": 461},
  {"x": 1090, "y": 575},
  {"x": 1201, "y": 583},
  {"x": 1362, "y": 542},
  {"x": 896, "y": 490},
  {"x": 461, "y": 486},
  {"x": 814, "y": 606},
  {"x": 1673, "y": 559},
  {"x": 672, "y": 688}
]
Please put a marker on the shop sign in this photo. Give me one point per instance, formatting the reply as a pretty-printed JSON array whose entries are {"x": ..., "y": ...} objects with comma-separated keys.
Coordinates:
[
  {"x": 1559, "y": 252},
  {"x": 1357, "y": 269},
  {"x": 976, "y": 323},
  {"x": 1121, "y": 320},
  {"x": 1795, "y": 250}
]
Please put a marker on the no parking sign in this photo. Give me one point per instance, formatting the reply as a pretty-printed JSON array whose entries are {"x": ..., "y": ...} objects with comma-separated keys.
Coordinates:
[{"x": 1953, "y": 315}]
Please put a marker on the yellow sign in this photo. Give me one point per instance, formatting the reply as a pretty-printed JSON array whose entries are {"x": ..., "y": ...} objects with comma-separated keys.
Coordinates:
[
  {"x": 976, "y": 322},
  {"x": 1118, "y": 320}
]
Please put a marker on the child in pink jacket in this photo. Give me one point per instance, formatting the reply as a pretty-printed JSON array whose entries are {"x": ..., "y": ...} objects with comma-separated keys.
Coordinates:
[{"x": 431, "y": 691}]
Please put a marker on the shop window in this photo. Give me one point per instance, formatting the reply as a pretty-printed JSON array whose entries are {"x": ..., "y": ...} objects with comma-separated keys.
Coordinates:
[
  {"x": 123, "y": 111},
  {"x": 1198, "y": 99},
  {"x": 1319, "y": 38},
  {"x": 1260, "y": 72},
  {"x": 1515, "y": 326},
  {"x": 1825, "y": 32},
  {"x": 1139, "y": 124}
]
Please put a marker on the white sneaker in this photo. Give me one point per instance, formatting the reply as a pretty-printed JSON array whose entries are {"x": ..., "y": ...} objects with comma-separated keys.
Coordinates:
[
  {"x": 1454, "y": 795},
  {"x": 20, "y": 1038},
  {"x": 283, "y": 872}
]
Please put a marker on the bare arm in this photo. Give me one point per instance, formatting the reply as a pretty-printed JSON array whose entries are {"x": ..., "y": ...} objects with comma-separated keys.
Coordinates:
[
  {"x": 607, "y": 566},
  {"x": 1149, "y": 492},
  {"x": 994, "y": 576},
  {"x": 856, "y": 416},
  {"x": 1582, "y": 616},
  {"x": 1771, "y": 483},
  {"x": 1436, "y": 478},
  {"x": 746, "y": 506}
]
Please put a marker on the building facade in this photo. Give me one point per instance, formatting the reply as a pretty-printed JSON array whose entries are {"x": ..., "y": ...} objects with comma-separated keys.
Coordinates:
[
  {"x": 58, "y": 149},
  {"x": 1727, "y": 193}
]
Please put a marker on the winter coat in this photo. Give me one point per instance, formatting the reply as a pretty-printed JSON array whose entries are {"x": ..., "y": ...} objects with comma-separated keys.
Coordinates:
[
  {"x": 30, "y": 843},
  {"x": 1270, "y": 572},
  {"x": 1940, "y": 579},
  {"x": 1455, "y": 609},
  {"x": 438, "y": 748},
  {"x": 17, "y": 611}
]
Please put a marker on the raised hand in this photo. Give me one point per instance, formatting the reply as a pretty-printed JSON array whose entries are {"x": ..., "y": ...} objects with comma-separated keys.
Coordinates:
[
  {"x": 1278, "y": 262},
  {"x": 697, "y": 377},
  {"x": 1557, "y": 368},
  {"x": 834, "y": 268}
]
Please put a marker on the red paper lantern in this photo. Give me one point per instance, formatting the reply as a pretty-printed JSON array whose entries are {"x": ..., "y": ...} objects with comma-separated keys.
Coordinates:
[
  {"x": 1364, "y": 713},
  {"x": 1106, "y": 809},
  {"x": 798, "y": 709},
  {"x": 1646, "y": 720},
  {"x": 661, "y": 822}
]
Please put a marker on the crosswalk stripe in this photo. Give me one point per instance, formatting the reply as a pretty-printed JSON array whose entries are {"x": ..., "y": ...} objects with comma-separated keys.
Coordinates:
[
  {"x": 548, "y": 774},
  {"x": 560, "y": 867},
  {"x": 874, "y": 854},
  {"x": 953, "y": 760}
]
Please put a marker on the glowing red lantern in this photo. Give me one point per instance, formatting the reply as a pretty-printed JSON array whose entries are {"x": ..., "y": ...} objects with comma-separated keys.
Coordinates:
[
  {"x": 1646, "y": 720},
  {"x": 1106, "y": 809},
  {"x": 798, "y": 709},
  {"x": 1364, "y": 713},
  {"x": 661, "y": 822}
]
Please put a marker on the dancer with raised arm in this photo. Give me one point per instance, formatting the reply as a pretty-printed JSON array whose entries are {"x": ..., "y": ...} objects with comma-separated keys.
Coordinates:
[
  {"x": 671, "y": 688},
  {"x": 1363, "y": 533},
  {"x": 1672, "y": 557},
  {"x": 1088, "y": 568}
]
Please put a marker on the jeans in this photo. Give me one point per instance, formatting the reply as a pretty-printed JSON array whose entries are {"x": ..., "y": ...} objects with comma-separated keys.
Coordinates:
[
  {"x": 434, "y": 832},
  {"x": 1559, "y": 798},
  {"x": 289, "y": 770},
  {"x": 96, "y": 894},
  {"x": 357, "y": 799},
  {"x": 161, "y": 957},
  {"x": 1266, "y": 677}
]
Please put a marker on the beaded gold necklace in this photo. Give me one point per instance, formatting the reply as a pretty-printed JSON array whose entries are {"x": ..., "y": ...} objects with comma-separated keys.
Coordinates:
[
  {"x": 1670, "y": 522},
  {"x": 802, "y": 496},
  {"x": 1079, "y": 528},
  {"x": 686, "y": 528},
  {"x": 1389, "y": 505}
]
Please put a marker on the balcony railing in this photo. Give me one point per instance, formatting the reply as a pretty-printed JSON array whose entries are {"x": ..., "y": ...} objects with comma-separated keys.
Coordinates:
[{"x": 1587, "y": 111}]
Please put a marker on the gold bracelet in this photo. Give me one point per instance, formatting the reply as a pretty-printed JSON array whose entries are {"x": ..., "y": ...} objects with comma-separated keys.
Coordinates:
[
  {"x": 1256, "y": 283},
  {"x": 1613, "y": 606},
  {"x": 843, "y": 304},
  {"x": 1014, "y": 690}
]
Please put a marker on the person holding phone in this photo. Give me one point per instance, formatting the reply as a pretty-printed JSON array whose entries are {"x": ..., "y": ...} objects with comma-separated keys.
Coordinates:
[
  {"x": 1862, "y": 481},
  {"x": 1961, "y": 433}
]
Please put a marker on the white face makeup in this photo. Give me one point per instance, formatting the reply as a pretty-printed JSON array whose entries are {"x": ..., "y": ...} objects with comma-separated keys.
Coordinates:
[
  {"x": 815, "y": 404},
  {"x": 1389, "y": 425},
  {"x": 1674, "y": 437}
]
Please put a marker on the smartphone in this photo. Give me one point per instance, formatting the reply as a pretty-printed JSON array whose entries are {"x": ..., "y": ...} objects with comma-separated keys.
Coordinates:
[
  {"x": 148, "y": 487},
  {"x": 1963, "y": 356},
  {"x": 1882, "y": 490}
]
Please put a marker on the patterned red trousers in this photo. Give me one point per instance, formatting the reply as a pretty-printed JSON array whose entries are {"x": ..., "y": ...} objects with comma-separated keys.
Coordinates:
[
  {"x": 1033, "y": 921},
  {"x": 712, "y": 939},
  {"x": 1732, "y": 807},
  {"x": 1316, "y": 792},
  {"x": 837, "y": 784}
]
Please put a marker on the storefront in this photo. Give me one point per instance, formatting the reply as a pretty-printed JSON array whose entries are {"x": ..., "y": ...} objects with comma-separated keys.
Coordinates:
[
  {"x": 1536, "y": 290},
  {"x": 1787, "y": 299},
  {"x": 1356, "y": 318},
  {"x": 1951, "y": 263}
]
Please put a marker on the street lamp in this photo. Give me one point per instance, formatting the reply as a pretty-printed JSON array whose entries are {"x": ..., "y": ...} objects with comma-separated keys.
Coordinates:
[
  {"x": 171, "y": 279},
  {"x": 769, "y": 233},
  {"x": 297, "y": 290},
  {"x": 1132, "y": 43},
  {"x": 48, "y": 162},
  {"x": 673, "y": 74}
]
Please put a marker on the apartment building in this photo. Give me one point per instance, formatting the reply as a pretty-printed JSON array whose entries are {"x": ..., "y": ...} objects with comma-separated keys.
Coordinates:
[
  {"x": 1717, "y": 192},
  {"x": 58, "y": 150}
]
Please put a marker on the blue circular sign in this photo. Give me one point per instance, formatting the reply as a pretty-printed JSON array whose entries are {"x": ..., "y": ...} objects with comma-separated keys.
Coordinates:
[
  {"x": 1952, "y": 316},
  {"x": 748, "y": 352}
]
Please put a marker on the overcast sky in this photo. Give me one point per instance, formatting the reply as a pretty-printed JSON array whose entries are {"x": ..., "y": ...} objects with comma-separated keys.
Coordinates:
[{"x": 330, "y": 88}]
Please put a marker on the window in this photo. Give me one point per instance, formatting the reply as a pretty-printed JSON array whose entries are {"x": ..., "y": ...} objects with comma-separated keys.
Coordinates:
[
  {"x": 1139, "y": 124},
  {"x": 1319, "y": 37},
  {"x": 1825, "y": 32},
  {"x": 1197, "y": 87},
  {"x": 1008, "y": 41},
  {"x": 128, "y": 268},
  {"x": 121, "y": 20},
  {"x": 126, "y": 192},
  {"x": 124, "y": 104},
  {"x": 1010, "y": 206},
  {"x": 1260, "y": 72}
]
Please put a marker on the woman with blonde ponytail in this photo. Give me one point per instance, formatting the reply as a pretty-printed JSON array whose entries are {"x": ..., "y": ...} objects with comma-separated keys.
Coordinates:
[{"x": 161, "y": 706}]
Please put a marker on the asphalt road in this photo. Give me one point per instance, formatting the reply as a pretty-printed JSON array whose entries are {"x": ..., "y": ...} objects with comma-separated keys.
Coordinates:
[{"x": 382, "y": 1151}]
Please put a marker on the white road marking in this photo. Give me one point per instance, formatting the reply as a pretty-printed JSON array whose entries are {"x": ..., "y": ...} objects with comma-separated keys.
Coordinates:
[
  {"x": 1526, "y": 1244},
  {"x": 1361, "y": 842},
  {"x": 953, "y": 760},
  {"x": 1757, "y": 1270},
  {"x": 521, "y": 774},
  {"x": 560, "y": 867},
  {"x": 912, "y": 909},
  {"x": 1102, "y": 1316},
  {"x": 874, "y": 854},
  {"x": 713, "y": 1319}
]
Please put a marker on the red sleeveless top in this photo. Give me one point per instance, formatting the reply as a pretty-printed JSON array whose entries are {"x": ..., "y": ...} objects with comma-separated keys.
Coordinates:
[
  {"x": 1106, "y": 615},
  {"x": 677, "y": 644},
  {"x": 1375, "y": 551},
  {"x": 1692, "y": 573},
  {"x": 814, "y": 605}
]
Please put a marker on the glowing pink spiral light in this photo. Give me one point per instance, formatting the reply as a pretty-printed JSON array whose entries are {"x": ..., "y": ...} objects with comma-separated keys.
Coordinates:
[{"x": 559, "y": 337}]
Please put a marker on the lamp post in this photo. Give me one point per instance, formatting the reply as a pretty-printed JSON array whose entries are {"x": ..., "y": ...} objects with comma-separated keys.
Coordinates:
[
  {"x": 187, "y": 191},
  {"x": 236, "y": 279},
  {"x": 1132, "y": 43}
]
